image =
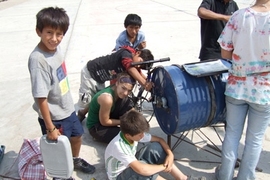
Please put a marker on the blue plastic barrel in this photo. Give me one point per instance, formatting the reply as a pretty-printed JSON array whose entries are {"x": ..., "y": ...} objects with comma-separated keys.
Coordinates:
[{"x": 183, "y": 102}]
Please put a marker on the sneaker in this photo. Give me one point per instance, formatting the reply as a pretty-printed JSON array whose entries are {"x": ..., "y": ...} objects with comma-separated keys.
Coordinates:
[
  {"x": 196, "y": 178},
  {"x": 82, "y": 165},
  {"x": 80, "y": 116},
  {"x": 71, "y": 178}
]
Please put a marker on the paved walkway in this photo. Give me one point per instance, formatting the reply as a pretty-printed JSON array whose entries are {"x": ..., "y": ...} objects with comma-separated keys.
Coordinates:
[{"x": 172, "y": 30}]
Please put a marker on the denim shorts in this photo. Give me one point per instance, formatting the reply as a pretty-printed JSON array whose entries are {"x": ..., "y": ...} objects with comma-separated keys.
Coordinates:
[{"x": 70, "y": 126}]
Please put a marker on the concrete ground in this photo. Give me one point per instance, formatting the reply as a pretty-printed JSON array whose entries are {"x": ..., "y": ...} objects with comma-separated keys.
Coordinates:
[{"x": 172, "y": 30}]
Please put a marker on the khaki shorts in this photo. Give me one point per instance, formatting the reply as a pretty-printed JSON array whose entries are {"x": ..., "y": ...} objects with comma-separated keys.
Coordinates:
[{"x": 88, "y": 88}]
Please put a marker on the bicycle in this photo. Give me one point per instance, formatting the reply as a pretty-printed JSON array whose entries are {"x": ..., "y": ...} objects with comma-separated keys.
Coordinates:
[{"x": 143, "y": 95}]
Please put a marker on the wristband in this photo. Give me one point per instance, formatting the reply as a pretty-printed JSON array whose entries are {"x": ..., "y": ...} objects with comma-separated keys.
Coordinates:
[{"x": 50, "y": 131}]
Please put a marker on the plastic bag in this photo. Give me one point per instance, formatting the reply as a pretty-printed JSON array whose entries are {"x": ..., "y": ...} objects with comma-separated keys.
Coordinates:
[{"x": 30, "y": 161}]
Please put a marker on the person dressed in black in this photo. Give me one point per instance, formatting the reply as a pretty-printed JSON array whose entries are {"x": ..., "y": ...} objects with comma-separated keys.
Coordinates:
[{"x": 214, "y": 15}]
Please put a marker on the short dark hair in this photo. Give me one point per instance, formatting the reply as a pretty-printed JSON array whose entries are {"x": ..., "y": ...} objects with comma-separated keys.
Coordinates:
[
  {"x": 52, "y": 17},
  {"x": 133, "y": 19},
  {"x": 146, "y": 55},
  {"x": 133, "y": 123}
]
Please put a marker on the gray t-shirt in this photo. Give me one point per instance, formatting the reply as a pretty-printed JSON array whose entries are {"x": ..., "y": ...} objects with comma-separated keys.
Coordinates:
[{"x": 49, "y": 80}]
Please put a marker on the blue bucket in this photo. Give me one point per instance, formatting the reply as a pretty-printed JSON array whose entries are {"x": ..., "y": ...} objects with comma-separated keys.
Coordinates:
[{"x": 183, "y": 102}]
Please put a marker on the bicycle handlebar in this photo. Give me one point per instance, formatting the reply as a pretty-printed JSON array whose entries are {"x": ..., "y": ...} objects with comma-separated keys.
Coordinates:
[{"x": 150, "y": 61}]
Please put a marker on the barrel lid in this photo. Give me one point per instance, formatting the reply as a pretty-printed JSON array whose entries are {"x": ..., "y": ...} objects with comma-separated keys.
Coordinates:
[{"x": 207, "y": 68}]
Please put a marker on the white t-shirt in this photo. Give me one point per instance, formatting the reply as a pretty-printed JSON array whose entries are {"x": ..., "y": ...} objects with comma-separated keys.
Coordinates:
[
  {"x": 247, "y": 35},
  {"x": 120, "y": 153}
]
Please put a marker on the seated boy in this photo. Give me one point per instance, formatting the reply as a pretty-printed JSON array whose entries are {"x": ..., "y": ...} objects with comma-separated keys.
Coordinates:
[
  {"x": 101, "y": 69},
  {"x": 124, "y": 162},
  {"x": 132, "y": 36}
]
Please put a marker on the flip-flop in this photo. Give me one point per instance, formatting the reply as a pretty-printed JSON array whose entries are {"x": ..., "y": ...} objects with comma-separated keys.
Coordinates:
[{"x": 2, "y": 152}]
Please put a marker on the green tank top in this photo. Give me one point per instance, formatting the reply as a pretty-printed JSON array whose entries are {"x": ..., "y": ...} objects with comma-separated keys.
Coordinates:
[{"x": 93, "y": 112}]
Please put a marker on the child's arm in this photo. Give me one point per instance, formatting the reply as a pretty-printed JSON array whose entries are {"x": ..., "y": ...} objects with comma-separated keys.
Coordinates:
[
  {"x": 140, "y": 78},
  {"x": 146, "y": 169},
  {"x": 150, "y": 169},
  {"x": 143, "y": 75},
  {"x": 52, "y": 132},
  {"x": 106, "y": 102},
  {"x": 170, "y": 157},
  {"x": 141, "y": 39}
]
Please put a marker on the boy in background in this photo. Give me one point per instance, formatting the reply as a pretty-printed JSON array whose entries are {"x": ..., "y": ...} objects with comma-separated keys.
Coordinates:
[
  {"x": 124, "y": 162},
  {"x": 50, "y": 88},
  {"x": 105, "y": 68},
  {"x": 132, "y": 36}
]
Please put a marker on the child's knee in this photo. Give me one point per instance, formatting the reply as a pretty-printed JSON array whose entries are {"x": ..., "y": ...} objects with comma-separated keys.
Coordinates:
[
  {"x": 156, "y": 145},
  {"x": 155, "y": 148}
]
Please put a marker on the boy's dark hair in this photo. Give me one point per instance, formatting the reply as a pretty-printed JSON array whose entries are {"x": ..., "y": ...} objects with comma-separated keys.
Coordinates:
[
  {"x": 146, "y": 55},
  {"x": 133, "y": 19},
  {"x": 52, "y": 17},
  {"x": 133, "y": 123}
]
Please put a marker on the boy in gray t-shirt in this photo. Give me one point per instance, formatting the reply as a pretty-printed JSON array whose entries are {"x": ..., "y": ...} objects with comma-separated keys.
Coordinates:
[{"x": 50, "y": 87}]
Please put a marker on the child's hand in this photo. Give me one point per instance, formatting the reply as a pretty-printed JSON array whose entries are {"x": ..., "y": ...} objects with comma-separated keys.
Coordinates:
[
  {"x": 53, "y": 135},
  {"x": 148, "y": 86},
  {"x": 169, "y": 163},
  {"x": 142, "y": 45}
]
